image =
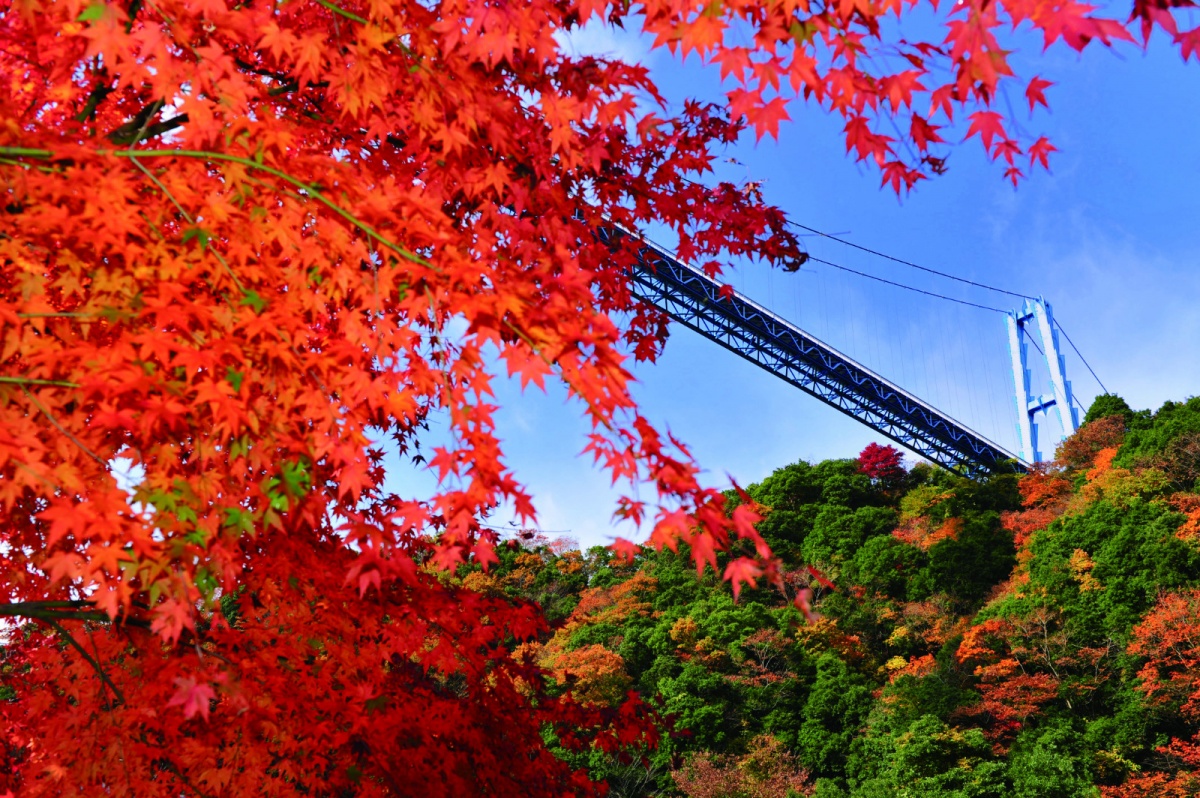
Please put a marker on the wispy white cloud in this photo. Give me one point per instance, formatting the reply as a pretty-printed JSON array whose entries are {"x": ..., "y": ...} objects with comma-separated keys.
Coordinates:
[{"x": 602, "y": 40}]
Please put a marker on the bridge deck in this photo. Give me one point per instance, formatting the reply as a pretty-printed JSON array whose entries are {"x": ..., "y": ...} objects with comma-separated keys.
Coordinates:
[{"x": 742, "y": 326}]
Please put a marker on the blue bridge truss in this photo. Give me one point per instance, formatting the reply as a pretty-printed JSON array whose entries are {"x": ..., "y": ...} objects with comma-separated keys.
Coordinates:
[{"x": 742, "y": 326}]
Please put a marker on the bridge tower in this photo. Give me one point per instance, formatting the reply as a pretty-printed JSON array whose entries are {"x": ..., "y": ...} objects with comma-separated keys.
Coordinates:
[{"x": 1036, "y": 313}]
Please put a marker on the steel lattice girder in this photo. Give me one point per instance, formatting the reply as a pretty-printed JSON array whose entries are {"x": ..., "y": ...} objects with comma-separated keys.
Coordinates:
[{"x": 737, "y": 323}]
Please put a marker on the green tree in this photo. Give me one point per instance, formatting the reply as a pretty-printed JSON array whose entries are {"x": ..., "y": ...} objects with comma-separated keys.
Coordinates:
[
  {"x": 836, "y": 710},
  {"x": 1108, "y": 404},
  {"x": 1051, "y": 762}
]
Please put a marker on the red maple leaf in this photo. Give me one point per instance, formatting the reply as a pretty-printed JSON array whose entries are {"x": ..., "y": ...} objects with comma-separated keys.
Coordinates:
[
  {"x": 988, "y": 125},
  {"x": 1035, "y": 92},
  {"x": 194, "y": 696},
  {"x": 626, "y": 550},
  {"x": 765, "y": 118},
  {"x": 923, "y": 134},
  {"x": 742, "y": 571},
  {"x": 1039, "y": 152}
]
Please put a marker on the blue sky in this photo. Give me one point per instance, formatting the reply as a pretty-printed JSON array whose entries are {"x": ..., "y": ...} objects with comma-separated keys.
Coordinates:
[{"x": 1111, "y": 237}]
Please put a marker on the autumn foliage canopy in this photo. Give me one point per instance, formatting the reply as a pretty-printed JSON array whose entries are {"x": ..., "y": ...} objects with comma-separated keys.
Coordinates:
[{"x": 248, "y": 246}]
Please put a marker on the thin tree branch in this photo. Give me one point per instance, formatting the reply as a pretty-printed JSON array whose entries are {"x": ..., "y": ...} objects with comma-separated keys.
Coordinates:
[
  {"x": 58, "y": 316},
  {"x": 67, "y": 611},
  {"x": 157, "y": 129},
  {"x": 188, "y": 218},
  {"x": 20, "y": 611},
  {"x": 298, "y": 183},
  {"x": 98, "y": 94},
  {"x": 173, "y": 768},
  {"x": 343, "y": 12},
  {"x": 83, "y": 651},
  {"x": 63, "y": 429},
  {"x": 46, "y": 605},
  {"x": 23, "y": 381},
  {"x": 355, "y": 18},
  {"x": 131, "y": 131},
  {"x": 311, "y": 191}
]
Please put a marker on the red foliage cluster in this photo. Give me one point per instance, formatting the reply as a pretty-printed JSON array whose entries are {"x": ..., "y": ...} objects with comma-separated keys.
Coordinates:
[
  {"x": 1080, "y": 450},
  {"x": 1189, "y": 505},
  {"x": 917, "y": 667},
  {"x": 1169, "y": 640},
  {"x": 1044, "y": 495},
  {"x": 766, "y": 770},
  {"x": 306, "y": 685},
  {"x": 881, "y": 463},
  {"x": 923, "y": 533},
  {"x": 1009, "y": 692}
]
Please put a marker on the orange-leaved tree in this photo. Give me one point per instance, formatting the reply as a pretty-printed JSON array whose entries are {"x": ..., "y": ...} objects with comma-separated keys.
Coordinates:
[{"x": 246, "y": 244}]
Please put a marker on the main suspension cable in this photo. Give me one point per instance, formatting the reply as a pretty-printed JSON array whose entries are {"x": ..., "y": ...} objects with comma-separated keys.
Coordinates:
[{"x": 909, "y": 263}]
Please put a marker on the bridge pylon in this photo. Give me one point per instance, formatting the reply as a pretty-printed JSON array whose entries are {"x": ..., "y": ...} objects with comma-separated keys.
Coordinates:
[{"x": 1037, "y": 313}]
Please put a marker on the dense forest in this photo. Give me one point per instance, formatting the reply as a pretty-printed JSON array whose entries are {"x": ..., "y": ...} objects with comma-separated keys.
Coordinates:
[{"x": 1017, "y": 636}]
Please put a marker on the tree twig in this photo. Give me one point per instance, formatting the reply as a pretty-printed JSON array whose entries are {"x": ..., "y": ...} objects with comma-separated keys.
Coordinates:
[
  {"x": 23, "y": 381},
  {"x": 343, "y": 12},
  {"x": 311, "y": 191},
  {"x": 63, "y": 429},
  {"x": 24, "y": 610},
  {"x": 83, "y": 651}
]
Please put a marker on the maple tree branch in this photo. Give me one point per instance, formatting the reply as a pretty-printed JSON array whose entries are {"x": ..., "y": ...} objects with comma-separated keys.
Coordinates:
[
  {"x": 66, "y": 611},
  {"x": 295, "y": 181},
  {"x": 132, "y": 130},
  {"x": 355, "y": 18},
  {"x": 282, "y": 77},
  {"x": 25, "y": 467},
  {"x": 27, "y": 152},
  {"x": 46, "y": 170},
  {"x": 124, "y": 137},
  {"x": 59, "y": 316},
  {"x": 30, "y": 152},
  {"x": 173, "y": 768},
  {"x": 23, "y": 381},
  {"x": 187, "y": 217},
  {"x": 98, "y": 95},
  {"x": 8, "y": 609},
  {"x": 135, "y": 8},
  {"x": 286, "y": 82},
  {"x": 63, "y": 429},
  {"x": 64, "y": 634}
]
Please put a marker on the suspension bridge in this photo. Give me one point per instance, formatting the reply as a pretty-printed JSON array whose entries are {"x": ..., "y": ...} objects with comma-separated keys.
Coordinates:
[{"x": 771, "y": 341}]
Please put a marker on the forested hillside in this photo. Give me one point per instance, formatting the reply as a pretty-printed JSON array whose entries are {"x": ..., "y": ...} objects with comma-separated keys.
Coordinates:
[{"x": 1033, "y": 636}]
